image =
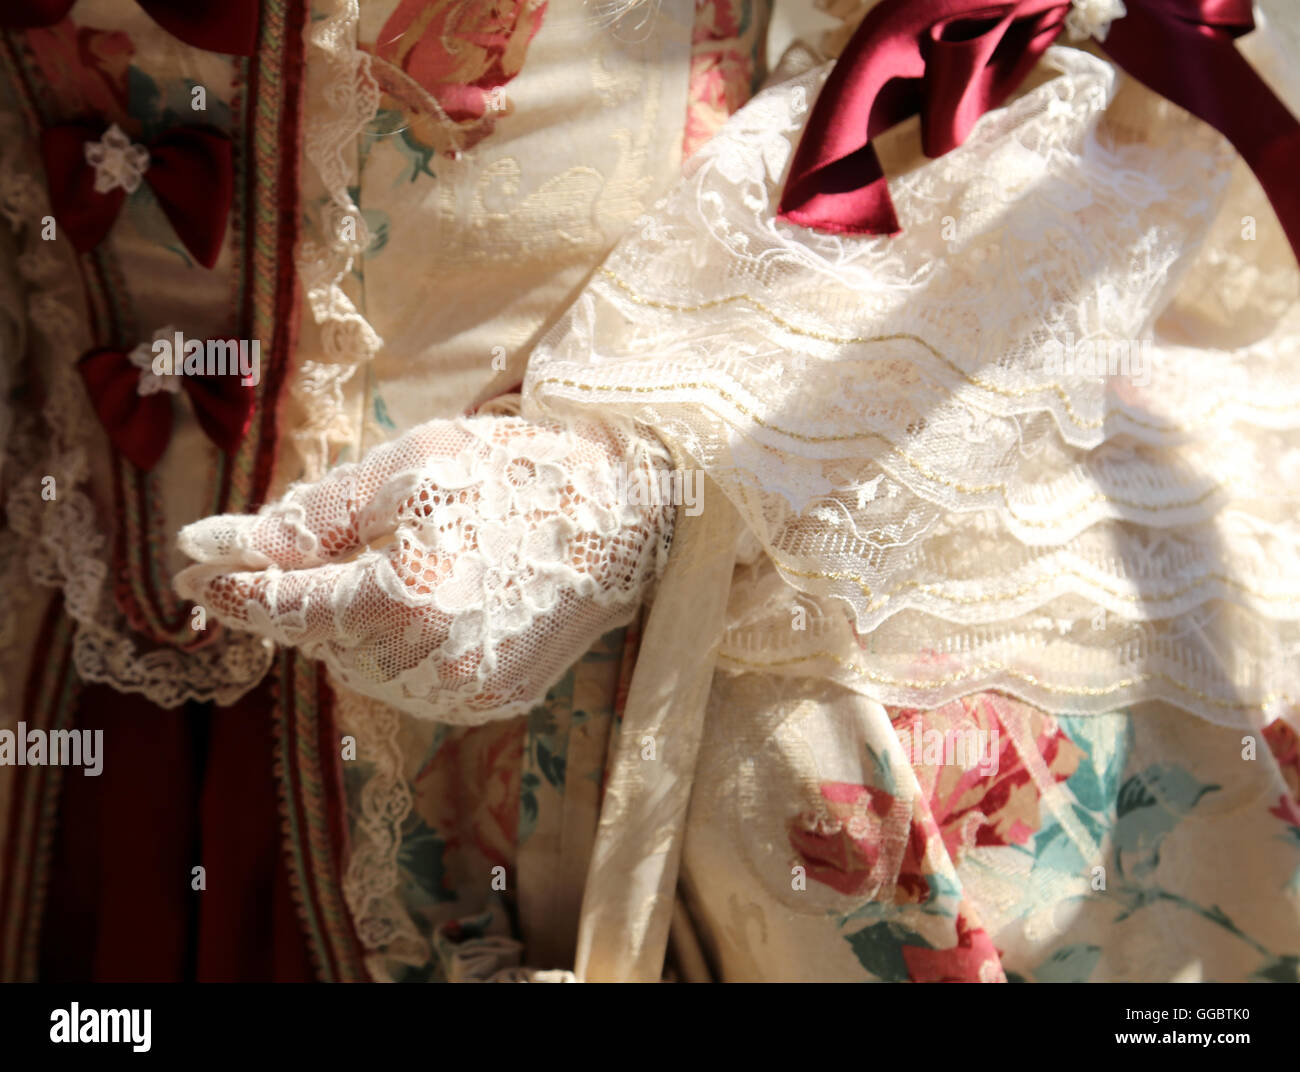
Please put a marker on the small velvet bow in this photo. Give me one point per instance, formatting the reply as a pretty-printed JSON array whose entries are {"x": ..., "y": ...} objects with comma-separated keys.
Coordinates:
[
  {"x": 190, "y": 169},
  {"x": 950, "y": 61},
  {"x": 139, "y": 424}
]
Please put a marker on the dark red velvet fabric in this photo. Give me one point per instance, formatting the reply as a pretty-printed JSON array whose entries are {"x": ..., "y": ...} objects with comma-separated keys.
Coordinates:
[
  {"x": 140, "y": 426},
  {"x": 179, "y": 788}
]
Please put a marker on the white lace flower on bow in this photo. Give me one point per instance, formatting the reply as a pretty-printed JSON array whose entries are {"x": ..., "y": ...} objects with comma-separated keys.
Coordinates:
[
  {"x": 117, "y": 160},
  {"x": 1092, "y": 18},
  {"x": 142, "y": 358}
]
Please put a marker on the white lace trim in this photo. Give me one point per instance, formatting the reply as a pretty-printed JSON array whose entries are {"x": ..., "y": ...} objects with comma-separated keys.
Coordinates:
[
  {"x": 342, "y": 98},
  {"x": 372, "y": 878}
]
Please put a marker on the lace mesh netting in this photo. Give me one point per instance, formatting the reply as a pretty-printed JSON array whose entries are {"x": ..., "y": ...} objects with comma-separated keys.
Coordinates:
[
  {"x": 910, "y": 428},
  {"x": 455, "y": 572}
]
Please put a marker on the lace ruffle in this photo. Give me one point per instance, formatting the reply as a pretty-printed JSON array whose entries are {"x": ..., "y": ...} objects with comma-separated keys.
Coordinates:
[
  {"x": 916, "y": 429},
  {"x": 342, "y": 99}
]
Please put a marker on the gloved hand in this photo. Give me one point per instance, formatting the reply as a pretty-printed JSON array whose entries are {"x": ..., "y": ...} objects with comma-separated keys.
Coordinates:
[{"x": 455, "y": 572}]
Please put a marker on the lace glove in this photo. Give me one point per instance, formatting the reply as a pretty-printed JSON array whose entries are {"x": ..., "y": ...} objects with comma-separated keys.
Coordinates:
[{"x": 455, "y": 572}]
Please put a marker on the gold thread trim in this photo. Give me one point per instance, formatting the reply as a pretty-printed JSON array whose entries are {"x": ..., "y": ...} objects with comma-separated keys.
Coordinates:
[
  {"x": 850, "y": 340},
  {"x": 997, "y": 667},
  {"x": 924, "y": 470},
  {"x": 931, "y": 588}
]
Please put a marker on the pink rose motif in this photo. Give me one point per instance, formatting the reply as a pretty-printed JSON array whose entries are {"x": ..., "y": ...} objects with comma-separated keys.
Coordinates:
[
  {"x": 840, "y": 846},
  {"x": 725, "y": 48},
  {"x": 469, "y": 789},
  {"x": 974, "y": 959},
  {"x": 1001, "y": 807},
  {"x": 1287, "y": 810},
  {"x": 445, "y": 63},
  {"x": 719, "y": 85},
  {"x": 1284, "y": 743},
  {"x": 718, "y": 20}
]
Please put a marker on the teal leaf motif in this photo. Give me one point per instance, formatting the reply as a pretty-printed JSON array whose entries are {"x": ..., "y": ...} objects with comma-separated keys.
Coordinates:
[
  {"x": 381, "y": 414},
  {"x": 421, "y": 857},
  {"x": 1054, "y": 851},
  {"x": 541, "y": 721},
  {"x": 1105, "y": 739},
  {"x": 1069, "y": 964},
  {"x": 551, "y": 765},
  {"x": 879, "y": 949},
  {"x": 1283, "y": 969},
  {"x": 944, "y": 896},
  {"x": 1151, "y": 804},
  {"x": 882, "y": 772},
  {"x": 528, "y": 809},
  {"x": 377, "y": 224}
]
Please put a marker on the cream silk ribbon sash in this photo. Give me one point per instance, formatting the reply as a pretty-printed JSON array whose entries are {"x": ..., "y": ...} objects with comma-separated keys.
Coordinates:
[{"x": 628, "y": 902}]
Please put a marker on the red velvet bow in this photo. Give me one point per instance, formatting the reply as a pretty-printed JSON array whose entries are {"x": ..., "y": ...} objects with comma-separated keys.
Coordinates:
[
  {"x": 190, "y": 171},
  {"x": 950, "y": 61},
  {"x": 140, "y": 426},
  {"x": 216, "y": 25}
]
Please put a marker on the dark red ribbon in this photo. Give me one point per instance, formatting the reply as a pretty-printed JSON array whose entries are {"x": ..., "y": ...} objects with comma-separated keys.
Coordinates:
[
  {"x": 191, "y": 172},
  {"x": 215, "y": 25},
  {"x": 950, "y": 61},
  {"x": 140, "y": 426}
]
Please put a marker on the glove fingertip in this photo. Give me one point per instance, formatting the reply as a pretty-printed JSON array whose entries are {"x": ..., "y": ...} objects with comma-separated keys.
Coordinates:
[
  {"x": 222, "y": 539},
  {"x": 190, "y": 582}
]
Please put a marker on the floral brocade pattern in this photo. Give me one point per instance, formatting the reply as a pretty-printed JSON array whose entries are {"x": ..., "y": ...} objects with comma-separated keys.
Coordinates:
[
  {"x": 446, "y": 65},
  {"x": 727, "y": 63},
  {"x": 1025, "y": 860}
]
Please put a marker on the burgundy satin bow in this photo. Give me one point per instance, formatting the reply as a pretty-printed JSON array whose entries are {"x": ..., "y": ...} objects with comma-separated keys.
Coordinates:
[
  {"x": 140, "y": 426},
  {"x": 191, "y": 172},
  {"x": 950, "y": 61},
  {"x": 216, "y": 25}
]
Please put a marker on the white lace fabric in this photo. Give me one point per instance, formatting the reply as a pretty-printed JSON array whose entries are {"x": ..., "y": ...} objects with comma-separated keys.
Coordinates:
[
  {"x": 455, "y": 572},
  {"x": 341, "y": 99},
  {"x": 952, "y": 506}
]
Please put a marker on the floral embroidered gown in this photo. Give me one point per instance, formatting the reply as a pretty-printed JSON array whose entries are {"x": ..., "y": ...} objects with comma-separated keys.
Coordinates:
[{"x": 914, "y": 533}]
